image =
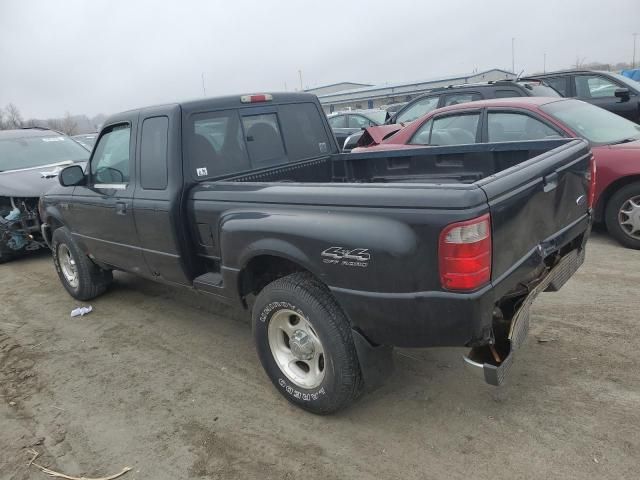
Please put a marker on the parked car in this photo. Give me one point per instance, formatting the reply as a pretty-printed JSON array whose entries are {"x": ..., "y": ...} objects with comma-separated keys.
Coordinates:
[
  {"x": 454, "y": 94},
  {"x": 614, "y": 140},
  {"x": 87, "y": 140},
  {"x": 30, "y": 160},
  {"x": 344, "y": 124},
  {"x": 611, "y": 91},
  {"x": 248, "y": 199}
]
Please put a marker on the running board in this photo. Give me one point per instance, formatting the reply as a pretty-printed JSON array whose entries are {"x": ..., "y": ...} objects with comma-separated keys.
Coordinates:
[{"x": 209, "y": 282}]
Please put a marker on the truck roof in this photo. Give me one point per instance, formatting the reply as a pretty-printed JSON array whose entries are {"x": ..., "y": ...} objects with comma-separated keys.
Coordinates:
[{"x": 225, "y": 102}]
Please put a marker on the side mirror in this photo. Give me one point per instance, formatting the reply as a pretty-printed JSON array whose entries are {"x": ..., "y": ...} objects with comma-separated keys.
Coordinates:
[
  {"x": 71, "y": 176},
  {"x": 622, "y": 93}
]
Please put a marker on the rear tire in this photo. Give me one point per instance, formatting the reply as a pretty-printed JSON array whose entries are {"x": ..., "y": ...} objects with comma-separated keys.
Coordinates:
[
  {"x": 82, "y": 278},
  {"x": 622, "y": 226},
  {"x": 305, "y": 345}
]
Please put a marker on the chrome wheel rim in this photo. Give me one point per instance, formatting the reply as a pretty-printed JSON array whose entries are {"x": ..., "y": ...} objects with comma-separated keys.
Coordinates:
[
  {"x": 629, "y": 217},
  {"x": 296, "y": 348},
  {"x": 68, "y": 266}
]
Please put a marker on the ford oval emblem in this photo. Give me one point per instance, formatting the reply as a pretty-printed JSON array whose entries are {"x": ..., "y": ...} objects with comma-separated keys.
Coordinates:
[{"x": 580, "y": 200}]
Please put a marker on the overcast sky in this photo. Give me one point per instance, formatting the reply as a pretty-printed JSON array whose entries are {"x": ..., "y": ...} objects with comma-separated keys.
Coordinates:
[{"x": 98, "y": 56}]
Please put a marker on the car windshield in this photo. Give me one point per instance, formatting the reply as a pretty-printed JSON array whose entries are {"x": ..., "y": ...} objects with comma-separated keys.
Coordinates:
[
  {"x": 540, "y": 90},
  {"x": 26, "y": 152},
  {"x": 593, "y": 123}
]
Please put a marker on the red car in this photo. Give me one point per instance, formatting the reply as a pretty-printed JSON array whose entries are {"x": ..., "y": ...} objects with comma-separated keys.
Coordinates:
[{"x": 615, "y": 143}]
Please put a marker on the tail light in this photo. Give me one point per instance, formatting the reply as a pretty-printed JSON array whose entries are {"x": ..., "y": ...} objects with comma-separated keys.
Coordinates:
[
  {"x": 591, "y": 177},
  {"x": 464, "y": 254}
]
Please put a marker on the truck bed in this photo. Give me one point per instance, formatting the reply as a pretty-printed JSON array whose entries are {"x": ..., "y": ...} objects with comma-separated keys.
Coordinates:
[{"x": 461, "y": 164}]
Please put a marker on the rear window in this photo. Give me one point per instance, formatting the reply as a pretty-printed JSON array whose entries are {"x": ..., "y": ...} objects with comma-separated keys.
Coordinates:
[
  {"x": 304, "y": 132},
  {"x": 264, "y": 141},
  {"x": 224, "y": 142}
]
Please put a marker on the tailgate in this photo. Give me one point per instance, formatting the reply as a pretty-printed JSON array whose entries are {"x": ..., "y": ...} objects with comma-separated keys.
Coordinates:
[{"x": 532, "y": 202}]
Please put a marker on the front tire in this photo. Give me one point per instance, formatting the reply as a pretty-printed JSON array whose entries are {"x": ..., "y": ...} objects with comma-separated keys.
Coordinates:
[
  {"x": 305, "y": 345},
  {"x": 82, "y": 278},
  {"x": 622, "y": 216}
]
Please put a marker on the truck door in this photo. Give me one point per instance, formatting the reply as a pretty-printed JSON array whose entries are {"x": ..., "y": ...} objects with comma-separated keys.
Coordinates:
[
  {"x": 102, "y": 210},
  {"x": 157, "y": 199}
]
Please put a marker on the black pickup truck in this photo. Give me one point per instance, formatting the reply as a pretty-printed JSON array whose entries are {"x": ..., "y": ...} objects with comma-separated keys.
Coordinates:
[{"x": 339, "y": 257}]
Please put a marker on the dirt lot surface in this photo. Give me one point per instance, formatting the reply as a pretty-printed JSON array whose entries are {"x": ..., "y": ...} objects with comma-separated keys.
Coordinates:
[{"x": 167, "y": 381}]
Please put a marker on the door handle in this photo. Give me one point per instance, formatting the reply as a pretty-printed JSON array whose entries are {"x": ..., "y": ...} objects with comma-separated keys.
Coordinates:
[
  {"x": 121, "y": 208},
  {"x": 550, "y": 182}
]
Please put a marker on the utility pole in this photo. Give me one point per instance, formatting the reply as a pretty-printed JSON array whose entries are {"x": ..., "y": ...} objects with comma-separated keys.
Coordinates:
[
  {"x": 204, "y": 92},
  {"x": 544, "y": 63},
  {"x": 300, "y": 75},
  {"x": 633, "y": 64},
  {"x": 513, "y": 55}
]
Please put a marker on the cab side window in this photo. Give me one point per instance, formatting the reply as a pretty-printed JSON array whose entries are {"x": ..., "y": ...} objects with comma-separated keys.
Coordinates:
[
  {"x": 153, "y": 153},
  {"x": 110, "y": 163}
]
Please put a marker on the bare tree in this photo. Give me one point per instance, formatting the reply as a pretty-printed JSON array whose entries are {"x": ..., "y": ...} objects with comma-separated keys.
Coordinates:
[
  {"x": 580, "y": 62},
  {"x": 68, "y": 125},
  {"x": 54, "y": 124},
  {"x": 13, "y": 118}
]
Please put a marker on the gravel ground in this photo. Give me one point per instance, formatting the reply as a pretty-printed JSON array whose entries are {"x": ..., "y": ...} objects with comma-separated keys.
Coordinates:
[{"x": 167, "y": 381}]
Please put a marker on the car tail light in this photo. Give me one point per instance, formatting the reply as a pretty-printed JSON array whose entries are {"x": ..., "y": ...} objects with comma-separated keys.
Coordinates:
[
  {"x": 591, "y": 177},
  {"x": 464, "y": 254},
  {"x": 265, "y": 97}
]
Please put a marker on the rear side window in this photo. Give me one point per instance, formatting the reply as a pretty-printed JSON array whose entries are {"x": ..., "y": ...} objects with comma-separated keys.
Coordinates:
[
  {"x": 358, "y": 121},
  {"x": 153, "y": 153},
  {"x": 215, "y": 144},
  {"x": 304, "y": 132},
  {"x": 513, "y": 127},
  {"x": 339, "y": 121},
  {"x": 264, "y": 141},
  {"x": 507, "y": 93},
  {"x": 559, "y": 84},
  {"x": 456, "y": 98}
]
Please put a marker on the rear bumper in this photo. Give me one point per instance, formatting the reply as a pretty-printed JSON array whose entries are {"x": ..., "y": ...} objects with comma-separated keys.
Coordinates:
[
  {"x": 437, "y": 318},
  {"x": 495, "y": 374}
]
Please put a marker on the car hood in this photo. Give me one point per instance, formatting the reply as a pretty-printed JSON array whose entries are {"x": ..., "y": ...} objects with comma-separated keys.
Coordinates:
[{"x": 31, "y": 182}]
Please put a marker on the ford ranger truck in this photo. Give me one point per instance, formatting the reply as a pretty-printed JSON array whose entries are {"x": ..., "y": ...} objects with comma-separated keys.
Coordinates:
[{"x": 337, "y": 257}]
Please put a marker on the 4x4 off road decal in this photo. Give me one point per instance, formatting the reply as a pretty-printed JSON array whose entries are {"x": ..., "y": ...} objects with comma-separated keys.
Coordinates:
[{"x": 357, "y": 257}]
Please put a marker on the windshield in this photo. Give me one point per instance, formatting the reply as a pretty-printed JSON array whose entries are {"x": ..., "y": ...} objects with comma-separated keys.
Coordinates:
[
  {"x": 593, "y": 123},
  {"x": 25, "y": 152},
  {"x": 539, "y": 90}
]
